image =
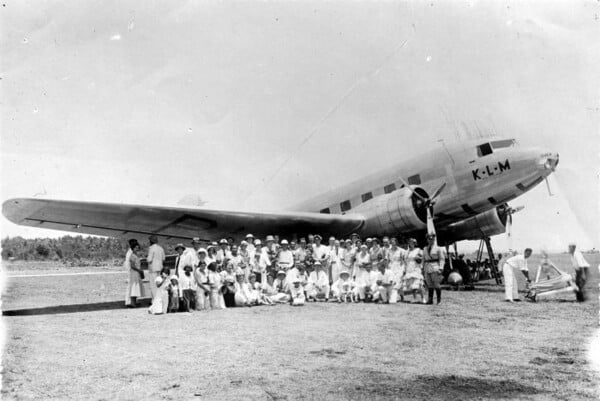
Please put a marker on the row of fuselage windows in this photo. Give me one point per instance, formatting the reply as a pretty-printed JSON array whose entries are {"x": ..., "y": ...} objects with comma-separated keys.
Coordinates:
[{"x": 347, "y": 205}]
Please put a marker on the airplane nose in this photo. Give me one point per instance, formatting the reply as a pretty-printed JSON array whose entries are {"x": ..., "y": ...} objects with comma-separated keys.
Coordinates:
[{"x": 550, "y": 161}]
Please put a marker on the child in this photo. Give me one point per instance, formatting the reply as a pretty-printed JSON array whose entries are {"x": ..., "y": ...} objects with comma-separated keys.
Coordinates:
[
  {"x": 296, "y": 293},
  {"x": 187, "y": 289},
  {"x": 174, "y": 295},
  {"x": 344, "y": 288},
  {"x": 160, "y": 302}
]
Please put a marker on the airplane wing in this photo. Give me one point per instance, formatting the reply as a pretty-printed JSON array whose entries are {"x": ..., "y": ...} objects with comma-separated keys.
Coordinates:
[{"x": 171, "y": 224}]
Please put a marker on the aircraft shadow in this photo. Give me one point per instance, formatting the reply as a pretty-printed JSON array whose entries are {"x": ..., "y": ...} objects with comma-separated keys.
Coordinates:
[{"x": 72, "y": 308}]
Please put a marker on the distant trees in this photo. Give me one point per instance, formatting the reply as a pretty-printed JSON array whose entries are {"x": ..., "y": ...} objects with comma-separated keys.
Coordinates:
[{"x": 65, "y": 248}]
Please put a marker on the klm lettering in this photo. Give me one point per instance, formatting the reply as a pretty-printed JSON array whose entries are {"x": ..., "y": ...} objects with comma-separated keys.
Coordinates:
[{"x": 490, "y": 170}]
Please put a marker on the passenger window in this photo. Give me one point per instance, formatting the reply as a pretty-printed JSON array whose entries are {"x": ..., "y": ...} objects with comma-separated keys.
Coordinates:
[
  {"x": 414, "y": 179},
  {"x": 504, "y": 143},
  {"x": 367, "y": 196},
  {"x": 345, "y": 205},
  {"x": 484, "y": 150},
  {"x": 326, "y": 210},
  {"x": 389, "y": 188}
]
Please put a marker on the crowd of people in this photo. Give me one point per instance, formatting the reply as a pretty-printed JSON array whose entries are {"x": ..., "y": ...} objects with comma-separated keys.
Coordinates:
[{"x": 255, "y": 272}]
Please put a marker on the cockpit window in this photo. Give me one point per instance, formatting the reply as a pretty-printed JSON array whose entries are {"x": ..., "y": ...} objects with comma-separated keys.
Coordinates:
[
  {"x": 504, "y": 143},
  {"x": 484, "y": 150}
]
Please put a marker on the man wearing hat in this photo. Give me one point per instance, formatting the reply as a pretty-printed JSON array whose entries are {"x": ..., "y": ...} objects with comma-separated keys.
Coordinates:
[
  {"x": 285, "y": 259},
  {"x": 281, "y": 287},
  {"x": 180, "y": 259},
  {"x": 260, "y": 262},
  {"x": 223, "y": 252},
  {"x": 581, "y": 266},
  {"x": 367, "y": 284},
  {"x": 344, "y": 288},
  {"x": 190, "y": 256},
  {"x": 296, "y": 293},
  {"x": 155, "y": 259},
  {"x": 433, "y": 266},
  {"x": 318, "y": 283},
  {"x": 251, "y": 248},
  {"x": 320, "y": 251}
]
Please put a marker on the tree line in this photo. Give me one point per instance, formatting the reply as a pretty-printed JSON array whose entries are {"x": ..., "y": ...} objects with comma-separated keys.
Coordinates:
[{"x": 67, "y": 248}]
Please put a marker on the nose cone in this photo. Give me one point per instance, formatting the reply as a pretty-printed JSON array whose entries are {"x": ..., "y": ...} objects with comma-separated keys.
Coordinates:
[{"x": 548, "y": 161}]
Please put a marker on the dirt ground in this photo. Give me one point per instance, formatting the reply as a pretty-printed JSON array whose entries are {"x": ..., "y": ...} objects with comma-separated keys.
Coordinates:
[{"x": 68, "y": 337}]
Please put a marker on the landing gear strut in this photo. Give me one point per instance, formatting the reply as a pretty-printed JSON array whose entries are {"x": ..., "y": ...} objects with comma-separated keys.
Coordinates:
[{"x": 488, "y": 244}]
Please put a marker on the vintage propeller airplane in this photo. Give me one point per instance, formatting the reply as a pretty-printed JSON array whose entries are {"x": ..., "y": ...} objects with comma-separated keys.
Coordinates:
[{"x": 459, "y": 190}]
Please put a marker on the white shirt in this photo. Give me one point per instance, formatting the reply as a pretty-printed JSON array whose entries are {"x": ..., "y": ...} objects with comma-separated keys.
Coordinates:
[
  {"x": 321, "y": 253},
  {"x": 385, "y": 278},
  {"x": 189, "y": 258},
  {"x": 578, "y": 261},
  {"x": 156, "y": 257},
  {"x": 518, "y": 261},
  {"x": 319, "y": 279},
  {"x": 186, "y": 283},
  {"x": 285, "y": 259}
]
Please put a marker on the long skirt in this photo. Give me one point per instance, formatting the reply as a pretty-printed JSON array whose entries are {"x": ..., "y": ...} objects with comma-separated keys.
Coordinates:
[
  {"x": 160, "y": 302},
  {"x": 134, "y": 287}
]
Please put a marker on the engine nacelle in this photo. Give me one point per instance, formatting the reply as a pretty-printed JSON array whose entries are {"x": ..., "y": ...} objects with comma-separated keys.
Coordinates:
[
  {"x": 398, "y": 212},
  {"x": 480, "y": 226}
]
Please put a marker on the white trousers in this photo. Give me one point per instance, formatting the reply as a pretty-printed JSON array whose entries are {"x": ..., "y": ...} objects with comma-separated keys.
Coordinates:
[
  {"x": 152, "y": 282},
  {"x": 511, "y": 288},
  {"x": 386, "y": 294}
]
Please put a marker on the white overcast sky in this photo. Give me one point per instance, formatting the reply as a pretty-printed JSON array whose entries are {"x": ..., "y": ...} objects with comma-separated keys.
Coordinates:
[{"x": 147, "y": 102}]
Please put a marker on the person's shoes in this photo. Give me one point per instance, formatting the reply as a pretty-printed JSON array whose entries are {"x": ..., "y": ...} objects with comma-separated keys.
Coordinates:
[
  {"x": 430, "y": 302},
  {"x": 517, "y": 300}
]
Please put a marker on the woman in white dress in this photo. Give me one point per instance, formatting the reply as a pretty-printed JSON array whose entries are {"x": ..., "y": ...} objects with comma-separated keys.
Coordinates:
[
  {"x": 135, "y": 288},
  {"x": 335, "y": 260},
  {"x": 397, "y": 258},
  {"x": 413, "y": 279},
  {"x": 160, "y": 302}
]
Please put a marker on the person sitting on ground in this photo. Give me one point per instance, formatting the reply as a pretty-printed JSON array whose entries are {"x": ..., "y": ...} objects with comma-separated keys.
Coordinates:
[
  {"x": 367, "y": 284},
  {"x": 174, "y": 295},
  {"x": 160, "y": 302},
  {"x": 344, "y": 289},
  {"x": 296, "y": 293},
  {"x": 241, "y": 295},
  {"x": 255, "y": 295},
  {"x": 318, "y": 284},
  {"x": 268, "y": 288},
  {"x": 281, "y": 288},
  {"x": 385, "y": 285}
]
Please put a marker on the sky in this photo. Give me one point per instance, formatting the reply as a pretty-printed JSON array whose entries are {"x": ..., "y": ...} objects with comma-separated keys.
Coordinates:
[{"x": 264, "y": 104}]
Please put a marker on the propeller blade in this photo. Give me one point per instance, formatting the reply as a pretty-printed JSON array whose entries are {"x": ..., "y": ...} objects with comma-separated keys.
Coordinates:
[
  {"x": 437, "y": 192},
  {"x": 516, "y": 209},
  {"x": 412, "y": 190},
  {"x": 430, "y": 225},
  {"x": 509, "y": 231},
  {"x": 548, "y": 186}
]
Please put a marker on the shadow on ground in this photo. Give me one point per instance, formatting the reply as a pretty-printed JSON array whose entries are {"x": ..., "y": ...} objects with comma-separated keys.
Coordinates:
[
  {"x": 432, "y": 387},
  {"x": 73, "y": 308}
]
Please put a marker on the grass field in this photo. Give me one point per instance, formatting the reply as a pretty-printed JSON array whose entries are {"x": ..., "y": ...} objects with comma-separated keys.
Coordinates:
[{"x": 68, "y": 337}]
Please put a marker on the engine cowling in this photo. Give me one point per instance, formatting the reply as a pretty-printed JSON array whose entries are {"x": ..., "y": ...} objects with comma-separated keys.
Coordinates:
[
  {"x": 482, "y": 225},
  {"x": 397, "y": 212}
]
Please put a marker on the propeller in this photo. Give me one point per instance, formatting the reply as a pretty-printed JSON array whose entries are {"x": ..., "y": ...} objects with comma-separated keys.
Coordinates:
[
  {"x": 428, "y": 202},
  {"x": 509, "y": 211}
]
